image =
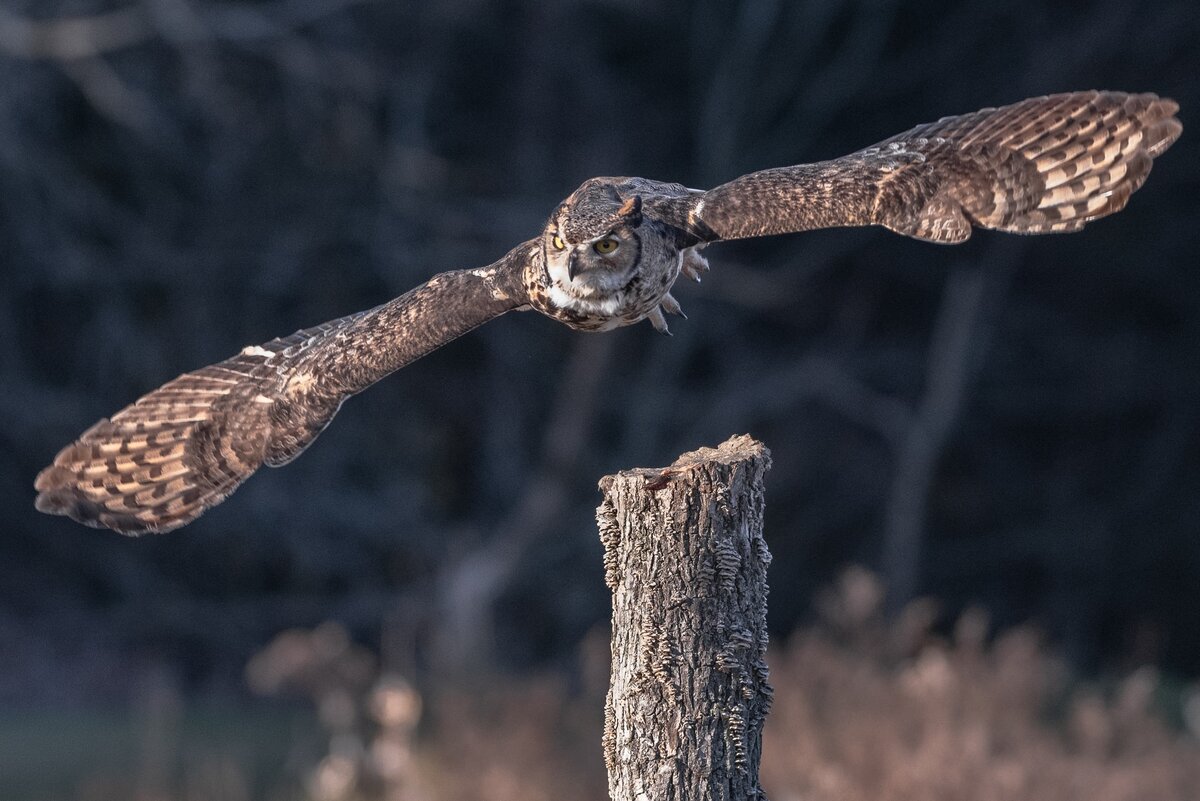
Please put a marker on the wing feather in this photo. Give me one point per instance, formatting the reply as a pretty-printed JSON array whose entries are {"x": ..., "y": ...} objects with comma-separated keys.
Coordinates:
[
  {"x": 161, "y": 461},
  {"x": 1044, "y": 165}
]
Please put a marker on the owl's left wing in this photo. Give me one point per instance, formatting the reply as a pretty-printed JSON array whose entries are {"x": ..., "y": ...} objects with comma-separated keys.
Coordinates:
[
  {"x": 1043, "y": 165},
  {"x": 161, "y": 461}
]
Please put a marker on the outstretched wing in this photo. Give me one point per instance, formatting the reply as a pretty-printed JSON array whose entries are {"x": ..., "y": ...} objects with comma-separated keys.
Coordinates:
[
  {"x": 1043, "y": 165},
  {"x": 160, "y": 462}
]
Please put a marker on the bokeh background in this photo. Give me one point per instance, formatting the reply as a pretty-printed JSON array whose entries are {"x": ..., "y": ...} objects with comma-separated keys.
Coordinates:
[{"x": 1010, "y": 427}]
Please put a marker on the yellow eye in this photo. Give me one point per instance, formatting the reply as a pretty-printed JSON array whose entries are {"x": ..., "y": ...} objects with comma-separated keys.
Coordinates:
[
  {"x": 558, "y": 243},
  {"x": 606, "y": 245}
]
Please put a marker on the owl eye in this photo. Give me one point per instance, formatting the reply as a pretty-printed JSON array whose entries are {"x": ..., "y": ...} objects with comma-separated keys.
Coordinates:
[
  {"x": 606, "y": 245},
  {"x": 557, "y": 242}
]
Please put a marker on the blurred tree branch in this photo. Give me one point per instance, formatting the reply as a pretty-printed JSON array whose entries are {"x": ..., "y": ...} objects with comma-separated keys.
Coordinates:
[
  {"x": 468, "y": 587},
  {"x": 78, "y": 44},
  {"x": 951, "y": 363},
  {"x": 70, "y": 38}
]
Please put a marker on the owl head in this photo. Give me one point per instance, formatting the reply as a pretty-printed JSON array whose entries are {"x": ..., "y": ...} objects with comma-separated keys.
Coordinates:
[{"x": 591, "y": 242}]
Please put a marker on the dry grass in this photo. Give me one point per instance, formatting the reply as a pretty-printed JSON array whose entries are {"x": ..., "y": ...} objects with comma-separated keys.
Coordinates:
[
  {"x": 867, "y": 712},
  {"x": 863, "y": 711}
]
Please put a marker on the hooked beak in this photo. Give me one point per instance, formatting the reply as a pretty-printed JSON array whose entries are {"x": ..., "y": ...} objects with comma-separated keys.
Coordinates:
[{"x": 571, "y": 266}]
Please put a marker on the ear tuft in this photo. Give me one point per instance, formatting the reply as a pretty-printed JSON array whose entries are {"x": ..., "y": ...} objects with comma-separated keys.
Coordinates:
[{"x": 631, "y": 210}]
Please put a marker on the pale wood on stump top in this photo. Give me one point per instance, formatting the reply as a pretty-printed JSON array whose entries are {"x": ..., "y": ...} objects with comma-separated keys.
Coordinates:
[{"x": 737, "y": 448}]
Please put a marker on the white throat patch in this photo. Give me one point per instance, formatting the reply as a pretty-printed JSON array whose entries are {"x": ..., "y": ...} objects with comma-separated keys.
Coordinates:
[{"x": 602, "y": 307}]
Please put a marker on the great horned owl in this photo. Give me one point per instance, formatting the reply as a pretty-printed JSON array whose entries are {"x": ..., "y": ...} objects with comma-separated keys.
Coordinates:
[{"x": 608, "y": 257}]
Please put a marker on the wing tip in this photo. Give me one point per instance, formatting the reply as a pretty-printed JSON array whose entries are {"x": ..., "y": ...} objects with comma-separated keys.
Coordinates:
[
  {"x": 160, "y": 462},
  {"x": 1069, "y": 202},
  {"x": 1160, "y": 125},
  {"x": 68, "y": 501},
  {"x": 1161, "y": 135},
  {"x": 101, "y": 480},
  {"x": 58, "y": 493}
]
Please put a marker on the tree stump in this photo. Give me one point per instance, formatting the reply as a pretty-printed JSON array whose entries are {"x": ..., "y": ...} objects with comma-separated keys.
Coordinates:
[{"x": 686, "y": 561}]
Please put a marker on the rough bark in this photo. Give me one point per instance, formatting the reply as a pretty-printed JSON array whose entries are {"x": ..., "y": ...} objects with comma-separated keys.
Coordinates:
[{"x": 686, "y": 562}]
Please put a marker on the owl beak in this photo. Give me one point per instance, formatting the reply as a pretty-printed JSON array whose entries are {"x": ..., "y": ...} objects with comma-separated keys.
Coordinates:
[{"x": 571, "y": 272}]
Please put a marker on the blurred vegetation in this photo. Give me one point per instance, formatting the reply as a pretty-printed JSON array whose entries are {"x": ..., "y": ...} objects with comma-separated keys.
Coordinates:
[
  {"x": 863, "y": 710},
  {"x": 181, "y": 178}
]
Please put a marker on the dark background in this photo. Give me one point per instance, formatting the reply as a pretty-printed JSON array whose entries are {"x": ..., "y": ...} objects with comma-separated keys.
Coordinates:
[{"x": 1012, "y": 423}]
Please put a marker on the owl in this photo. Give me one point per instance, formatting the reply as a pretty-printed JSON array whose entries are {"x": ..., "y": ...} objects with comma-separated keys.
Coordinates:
[{"x": 607, "y": 257}]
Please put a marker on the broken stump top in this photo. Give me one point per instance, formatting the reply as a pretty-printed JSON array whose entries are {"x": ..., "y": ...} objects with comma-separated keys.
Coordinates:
[{"x": 738, "y": 448}]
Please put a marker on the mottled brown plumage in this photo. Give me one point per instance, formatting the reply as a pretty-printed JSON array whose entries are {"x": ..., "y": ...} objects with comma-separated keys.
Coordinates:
[
  {"x": 607, "y": 257},
  {"x": 158, "y": 463},
  {"x": 1044, "y": 165}
]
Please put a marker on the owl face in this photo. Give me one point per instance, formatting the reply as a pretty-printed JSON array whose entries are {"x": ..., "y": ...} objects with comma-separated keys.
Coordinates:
[
  {"x": 592, "y": 244},
  {"x": 601, "y": 264},
  {"x": 596, "y": 266}
]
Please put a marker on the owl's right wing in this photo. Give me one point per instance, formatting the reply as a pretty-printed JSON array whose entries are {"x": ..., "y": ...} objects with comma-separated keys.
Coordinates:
[
  {"x": 1043, "y": 165},
  {"x": 160, "y": 462}
]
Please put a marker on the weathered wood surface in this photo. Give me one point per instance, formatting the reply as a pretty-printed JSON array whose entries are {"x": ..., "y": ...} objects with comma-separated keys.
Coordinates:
[{"x": 686, "y": 561}]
